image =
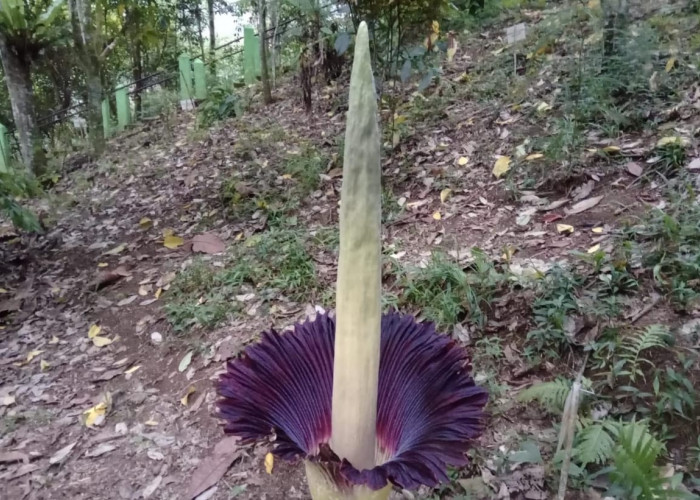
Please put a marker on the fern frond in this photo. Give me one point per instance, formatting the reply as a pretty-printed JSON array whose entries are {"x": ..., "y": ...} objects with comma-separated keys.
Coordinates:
[
  {"x": 552, "y": 395},
  {"x": 652, "y": 336},
  {"x": 634, "y": 463},
  {"x": 595, "y": 444}
]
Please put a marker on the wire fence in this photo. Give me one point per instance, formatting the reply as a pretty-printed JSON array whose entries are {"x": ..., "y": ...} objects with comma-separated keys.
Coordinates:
[{"x": 170, "y": 72}]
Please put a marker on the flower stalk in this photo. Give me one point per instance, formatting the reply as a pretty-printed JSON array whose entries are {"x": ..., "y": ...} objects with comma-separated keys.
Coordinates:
[{"x": 358, "y": 292}]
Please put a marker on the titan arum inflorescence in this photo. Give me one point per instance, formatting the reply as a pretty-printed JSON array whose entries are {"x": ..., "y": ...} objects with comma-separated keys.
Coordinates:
[{"x": 365, "y": 400}]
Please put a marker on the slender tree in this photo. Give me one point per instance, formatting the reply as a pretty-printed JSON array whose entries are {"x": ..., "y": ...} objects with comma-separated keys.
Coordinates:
[
  {"x": 267, "y": 93},
  {"x": 212, "y": 34},
  {"x": 26, "y": 29},
  {"x": 86, "y": 40}
]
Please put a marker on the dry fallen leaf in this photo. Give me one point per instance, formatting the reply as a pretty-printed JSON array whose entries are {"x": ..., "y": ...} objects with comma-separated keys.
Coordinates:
[
  {"x": 634, "y": 168},
  {"x": 594, "y": 248},
  {"x": 101, "y": 341},
  {"x": 62, "y": 454},
  {"x": 172, "y": 242},
  {"x": 670, "y": 64},
  {"x": 208, "y": 243},
  {"x": 463, "y": 160},
  {"x": 673, "y": 139},
  {"x": 437, "y": 216},
  {"x": 445, "y": 194},
  {"x": 7, "y": 457},
  {"x": 145, "y": 223},
  {"x": 185, "y": 362},
  {"x": 213, "y": 467},
  {"x": 565, "y": 228},
  {"x": 534, "y": 156},
  {"x": 132, "y": 369},
  {"x": 501, "y": 166},
  {"x": 44, "y": 365},
  {"x": 116, "y": 250},
  {"x": 185, "y": 399},
  {"x": 106, "y": 278},
  {"x": 95, "y": 415},
  {"x": 94, "y": 331},
  {"x": 694, "y": 165},
  {"x": 584, "y": 205},
  {"x": 7, "y": 400},
  {"x": 597, "y": 230},
  {"x": 32, "y": 354},
  {"x": 611, "y": 149},
  {"x": 269, "y": 462}
]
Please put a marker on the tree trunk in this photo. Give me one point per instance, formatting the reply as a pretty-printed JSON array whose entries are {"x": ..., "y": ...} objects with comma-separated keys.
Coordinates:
[
  {"x": 137, "y": 75},
  {"x": 198, "y": 16},
  {"x": 212, "y": 36},
  {"x": 83, "y": 39},
  {"x": 19, "y": 86},
  {"x": 267, "y": 93}
]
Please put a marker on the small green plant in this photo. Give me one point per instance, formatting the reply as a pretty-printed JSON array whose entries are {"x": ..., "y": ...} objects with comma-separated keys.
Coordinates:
[
  {"x": 671, "y": 157},
  {"x": 555, "y": 302},
  {"x": 13, "y": 187},
  {"x": 305, "y": 169},
  {"x": 447, "y": 294},
  {"x": 551, "y": 395},
  {"x": 221, "y": 103}
]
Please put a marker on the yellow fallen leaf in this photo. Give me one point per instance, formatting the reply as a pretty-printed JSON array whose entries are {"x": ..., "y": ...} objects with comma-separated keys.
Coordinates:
[
  {"x": 437, "y": 216},
  {"x": 132, "y": 369},
  {"x": 669, "y": 140},
  {"x": 436, "y": 27},
  {"x": 144, "y": 290},
  {"x": 463, "y": 160},
  {"x": 445, "y": 194},
  {"x": 565, "y": 228},
  {"x": 670, "y": 64},
  {"x": 44, "y": 365},
  {"x": 92, "y": 415},
  {"x": 145, "y": 223},
  {"x": 543, "y": 106},
  {"x": 534, "y": 156},
  {"x": 501, "y": 166},
  {"x": 158, "y": 292},
  {"x": 597, "y": 230},
  {"x": 32, "y": 354},
  {"x": 594, "y": 248},
  {"x": 94, "y": 331},
  {"x": 102, "y": 264},
  {"x": 508, "y": 252},
  {"x": 168, "y": 232},
  {"x": 2, "y": 290},
  {"x": 54, "y": 340},
  {"x": 593, "y": 4},
  {"x": 101, "y": 341},
  {"x": 269, "y": 462},
  {"x": 185, "y": 399},
  {"x": 172, "y": 242},
  {"x": 287, "y": 176},
  {"x": 611, "y": 149},
  {"x": 239, "y": 237},
  {"x": 150, "y": 423}
]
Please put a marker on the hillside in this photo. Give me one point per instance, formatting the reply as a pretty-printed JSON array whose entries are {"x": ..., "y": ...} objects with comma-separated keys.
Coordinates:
[{"x": 539, "y": 206}]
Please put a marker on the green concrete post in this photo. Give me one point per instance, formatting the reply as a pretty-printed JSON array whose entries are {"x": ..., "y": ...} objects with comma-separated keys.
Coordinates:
[
  {"x": 4, "y": 150},
  {"x": 186, "y": 82},
  {"x": 123, "y": 109},
  {"x": 250, "y": 48},
  {"x": 200, "y": 79},
  {"x": 106, "y": 119}
]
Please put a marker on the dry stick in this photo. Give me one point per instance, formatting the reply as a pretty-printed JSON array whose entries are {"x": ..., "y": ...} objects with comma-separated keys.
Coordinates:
[{"x": 568, "y": 429}]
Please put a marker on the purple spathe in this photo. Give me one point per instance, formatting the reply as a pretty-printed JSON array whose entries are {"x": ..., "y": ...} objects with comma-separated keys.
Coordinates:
[{"x": 428, "y": 410}]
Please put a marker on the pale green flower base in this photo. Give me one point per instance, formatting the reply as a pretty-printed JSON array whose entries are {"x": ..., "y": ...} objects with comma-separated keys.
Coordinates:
[{"x": 323, "y": 488}]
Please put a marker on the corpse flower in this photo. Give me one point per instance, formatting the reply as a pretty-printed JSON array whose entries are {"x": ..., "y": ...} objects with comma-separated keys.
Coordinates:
[{"x": 367, "y": 401}]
